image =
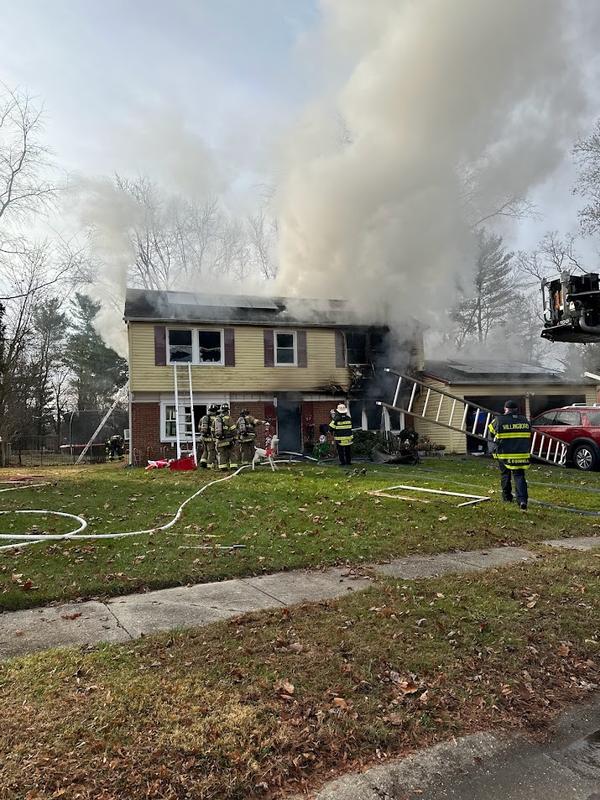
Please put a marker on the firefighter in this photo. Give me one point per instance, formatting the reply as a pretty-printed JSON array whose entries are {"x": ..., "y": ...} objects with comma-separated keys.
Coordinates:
[
  {"x": 341, "y": 427},
  {"x": 246, "y": 435},
  {"x": 512, "y": 435},
  {"x": 224, "y": 433},
  {"x": 115, "y": 444},
  {"x": 205, "y": 429}
]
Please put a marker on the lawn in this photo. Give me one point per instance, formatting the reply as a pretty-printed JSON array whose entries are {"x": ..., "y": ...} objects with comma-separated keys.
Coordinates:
[
  {"x": 274, "y": 702},
  {"x": 300, "y": 516}
]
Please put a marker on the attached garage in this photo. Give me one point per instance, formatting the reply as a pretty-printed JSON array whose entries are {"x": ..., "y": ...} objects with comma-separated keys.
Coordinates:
[{"x": 488, "y": 384}]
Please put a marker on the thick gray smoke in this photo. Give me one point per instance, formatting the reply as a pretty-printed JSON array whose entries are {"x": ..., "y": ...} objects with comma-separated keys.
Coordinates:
[{"x": 447, "y": 110}]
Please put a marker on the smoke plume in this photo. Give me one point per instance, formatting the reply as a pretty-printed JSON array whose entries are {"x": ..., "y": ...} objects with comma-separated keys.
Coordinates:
[{"x": 446, "y": 110}]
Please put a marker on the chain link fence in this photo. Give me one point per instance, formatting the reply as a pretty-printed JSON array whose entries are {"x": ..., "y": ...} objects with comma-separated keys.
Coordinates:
[{"x": 65, "y": 446}]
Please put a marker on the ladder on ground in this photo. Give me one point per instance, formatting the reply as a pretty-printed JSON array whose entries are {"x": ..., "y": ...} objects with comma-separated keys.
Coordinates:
[
  {"x": 421, "y": 401},
  {"x": 185, "y": 425}
]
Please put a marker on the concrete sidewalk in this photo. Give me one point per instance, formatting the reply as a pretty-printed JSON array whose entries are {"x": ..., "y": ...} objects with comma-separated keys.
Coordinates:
[
  {"x": 488, "y": 766},
  {"x": 125, "y": 618}
]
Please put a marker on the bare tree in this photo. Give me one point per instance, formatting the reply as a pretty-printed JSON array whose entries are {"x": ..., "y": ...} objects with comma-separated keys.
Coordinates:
[
  {"x": 262, "y": 235},
  {"x": 24, "y": 160},
  {"x": 482, "y": 205},
  {"x": 551, "y": 256},
  {"x": 586, "y": 152}
]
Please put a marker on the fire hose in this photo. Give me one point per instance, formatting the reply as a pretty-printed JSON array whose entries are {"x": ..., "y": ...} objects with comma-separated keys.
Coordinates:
[{"x": 25, "y": 539}]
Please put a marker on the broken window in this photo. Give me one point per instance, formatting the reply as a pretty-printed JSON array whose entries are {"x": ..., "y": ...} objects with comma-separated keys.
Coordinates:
[
  {"x": 180, "y": 347},
  {"x": 210, "y": 347},
  {"x": 285, "y": 348},
  {"x": 356, "y": 346}
]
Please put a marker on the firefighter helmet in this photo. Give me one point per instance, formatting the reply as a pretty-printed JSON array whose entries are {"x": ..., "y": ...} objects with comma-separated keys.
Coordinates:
[{"x": 213, "y": 408}]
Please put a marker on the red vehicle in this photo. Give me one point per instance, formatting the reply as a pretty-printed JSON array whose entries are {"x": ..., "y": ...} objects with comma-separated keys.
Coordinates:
[{"x": 579, "y": 427}]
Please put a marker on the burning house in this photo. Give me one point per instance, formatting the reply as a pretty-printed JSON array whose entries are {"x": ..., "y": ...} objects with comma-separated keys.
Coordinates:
[{"x": 289, "y": 361}]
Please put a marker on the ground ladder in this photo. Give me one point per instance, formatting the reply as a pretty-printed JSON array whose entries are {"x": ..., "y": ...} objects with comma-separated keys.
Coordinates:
[
  {"x": 418, "y": 399},
  {"x": 185, "y": 424}
]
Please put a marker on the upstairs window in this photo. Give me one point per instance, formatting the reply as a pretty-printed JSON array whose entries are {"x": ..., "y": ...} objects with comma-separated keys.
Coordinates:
[
  {"x": 180, "y": 347},
  {"x": 195, "y": 346},
  {"x": 285, "y": 349},
  {"x": 210, "y": 347},
  {"x": 356, "y": 346}
]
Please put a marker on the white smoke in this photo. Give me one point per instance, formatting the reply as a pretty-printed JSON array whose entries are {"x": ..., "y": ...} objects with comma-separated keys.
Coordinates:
[{"x": 446, "y": 110}]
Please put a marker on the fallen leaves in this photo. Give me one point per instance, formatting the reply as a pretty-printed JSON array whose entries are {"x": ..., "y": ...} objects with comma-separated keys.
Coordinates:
[{"x": 284, "y": 689}]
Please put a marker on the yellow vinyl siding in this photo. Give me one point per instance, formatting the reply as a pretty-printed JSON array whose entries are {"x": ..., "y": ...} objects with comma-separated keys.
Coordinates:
[
  {"x": 249, "y": 373},
  {"x": 455, "y": 442}
]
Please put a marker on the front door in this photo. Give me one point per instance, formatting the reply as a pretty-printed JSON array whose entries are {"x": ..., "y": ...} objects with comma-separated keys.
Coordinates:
[{"x": 289, "y": 428}]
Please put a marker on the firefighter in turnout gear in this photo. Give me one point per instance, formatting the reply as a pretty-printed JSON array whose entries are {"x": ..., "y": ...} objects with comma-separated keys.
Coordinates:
[
  {"x": 246, "y": 435},
  {"x": 205, "y": 429},
  {"x": 512, "y": 436},
  {"x": 341, "y": 427},
  {"x": 224, "y": 433}
]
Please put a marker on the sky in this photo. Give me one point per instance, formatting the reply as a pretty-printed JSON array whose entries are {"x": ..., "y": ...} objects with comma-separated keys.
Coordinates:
[
  {"x": 113, "y": 75},
  {"x": 194, "y": 93}
]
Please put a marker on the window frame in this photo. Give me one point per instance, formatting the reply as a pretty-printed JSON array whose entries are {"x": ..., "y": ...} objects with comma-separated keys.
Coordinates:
[
  {"x": 195, "y": 362},
  {"x": 349, "y": 361},
  {"x": 164, "y": 404},
  {"x": 221, "y": 332},
  {"x": 285, "y": 332}
]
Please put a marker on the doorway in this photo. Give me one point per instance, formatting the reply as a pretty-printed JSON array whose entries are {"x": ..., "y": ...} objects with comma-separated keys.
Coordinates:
[{"x": 289, "y": 423}]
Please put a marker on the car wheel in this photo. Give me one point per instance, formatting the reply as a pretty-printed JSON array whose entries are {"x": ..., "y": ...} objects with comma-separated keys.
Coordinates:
[{"x": 585, "y": 457}]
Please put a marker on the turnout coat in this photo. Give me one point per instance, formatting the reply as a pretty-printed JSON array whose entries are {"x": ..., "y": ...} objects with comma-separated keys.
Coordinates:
[{"x": 512, "y": 435}]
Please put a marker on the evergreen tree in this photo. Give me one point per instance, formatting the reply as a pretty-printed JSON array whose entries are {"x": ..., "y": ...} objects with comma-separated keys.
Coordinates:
[
  {"x": 50, "y": 327},
  {"x": 97, "y": 370},
  {"x": 492, "y": 294}
]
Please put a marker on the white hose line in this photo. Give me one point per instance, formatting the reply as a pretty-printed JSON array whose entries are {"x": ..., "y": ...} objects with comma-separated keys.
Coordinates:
[{"x": 25, "y": 539}]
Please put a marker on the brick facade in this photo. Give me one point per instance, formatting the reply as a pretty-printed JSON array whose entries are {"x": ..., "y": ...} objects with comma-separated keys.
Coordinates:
[{"x": 145, "y": 434}]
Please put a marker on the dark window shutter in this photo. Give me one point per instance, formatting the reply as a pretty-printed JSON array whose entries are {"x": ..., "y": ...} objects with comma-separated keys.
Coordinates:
[
  {"x": 301, "y": 344},
  {"x": 229, "y": 338},
  {"x": 340, "y": 349},
  {"x": 160, "y": 345},
  {"x": 269, "y": 348}
]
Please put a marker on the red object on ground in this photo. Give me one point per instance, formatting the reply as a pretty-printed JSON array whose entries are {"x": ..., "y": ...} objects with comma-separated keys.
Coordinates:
[{"x": 183, "y": 464}]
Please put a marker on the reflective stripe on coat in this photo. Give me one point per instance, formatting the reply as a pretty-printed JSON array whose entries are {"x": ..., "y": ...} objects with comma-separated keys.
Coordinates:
[
  {"x": 512, "y": 435},
  {"x": 341, "y": 427}
]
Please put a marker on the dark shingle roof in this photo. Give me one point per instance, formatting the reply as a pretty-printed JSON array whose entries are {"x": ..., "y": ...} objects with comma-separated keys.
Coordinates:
[
  {"x": 157, "y": 306},
  {"x": 490, "y": 372}
]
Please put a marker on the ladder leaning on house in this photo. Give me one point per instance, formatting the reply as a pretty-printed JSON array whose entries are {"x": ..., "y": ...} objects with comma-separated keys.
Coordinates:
[
  {"x": 417, "y": 399},
  {"x": 185, "y": 424}
]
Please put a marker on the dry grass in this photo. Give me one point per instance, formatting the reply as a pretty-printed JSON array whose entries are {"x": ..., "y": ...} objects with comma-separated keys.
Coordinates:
[
  {"x": 298, "y": 517},
  {"x": 274, "y": 702}
]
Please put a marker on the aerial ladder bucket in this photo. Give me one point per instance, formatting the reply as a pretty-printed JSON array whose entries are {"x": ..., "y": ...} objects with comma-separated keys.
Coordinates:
[{"x": 421, "y": 401}]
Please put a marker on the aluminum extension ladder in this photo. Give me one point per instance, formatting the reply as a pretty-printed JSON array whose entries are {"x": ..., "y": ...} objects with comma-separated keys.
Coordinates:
[
  {"x": 184, "y": 412},
  {"x": 418, "y": 399}
]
